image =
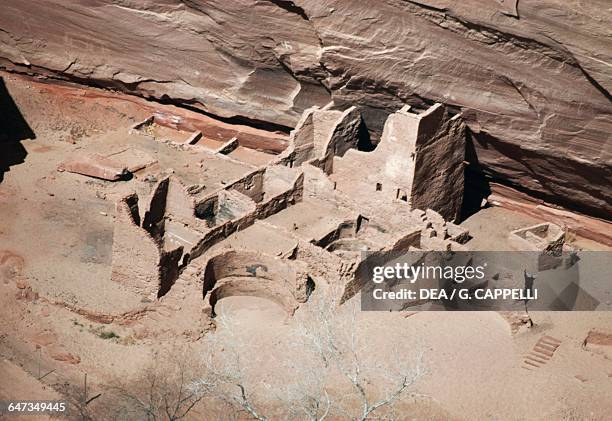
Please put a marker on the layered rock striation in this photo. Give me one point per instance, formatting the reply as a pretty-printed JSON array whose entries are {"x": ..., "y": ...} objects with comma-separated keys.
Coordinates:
[{"x": 532, "y": 79}]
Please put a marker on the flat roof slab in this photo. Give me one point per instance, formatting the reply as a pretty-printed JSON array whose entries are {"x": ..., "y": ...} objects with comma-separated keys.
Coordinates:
[{"x": 310, "y": 219}]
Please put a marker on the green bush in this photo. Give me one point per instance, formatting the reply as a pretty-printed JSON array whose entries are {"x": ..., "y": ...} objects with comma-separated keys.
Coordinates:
[{"x": 108, "y": 335}]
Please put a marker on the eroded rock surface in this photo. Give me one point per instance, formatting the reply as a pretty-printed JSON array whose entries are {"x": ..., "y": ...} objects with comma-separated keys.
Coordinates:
[{"x": 532, "y": 78}]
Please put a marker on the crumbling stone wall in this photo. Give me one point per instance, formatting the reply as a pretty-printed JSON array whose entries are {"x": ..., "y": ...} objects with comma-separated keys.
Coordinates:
[
  {"x": 154, "y": 216},
  {"x": 343, "y": 136},
  {"x": 317, "y": 184},
  {"x": 419, "y": 160},
  {"x": 301, "y": 141},
  {"x": 179, "y": 203},
  {"x": 252, "y": 185},
  {"x": 169, "y": 263},
  {"x": 262, "y": 210},
  {"x": 281, "y": 201},
  {"x": 136, "y": 255},
  {"x": 320, "y": 135},
  {"x": 438, "y": 175},
  {"x": 404, "y": 241},
  {"x": 139, "y": 258},
  {"x": 436, "y": 148}
]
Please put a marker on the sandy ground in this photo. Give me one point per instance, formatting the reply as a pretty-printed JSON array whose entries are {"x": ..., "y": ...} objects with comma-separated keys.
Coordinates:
[
  {"x": 17, "y": 383},
  {"x": 473, "y": 362},
  {"x": 490, "y": 227}
]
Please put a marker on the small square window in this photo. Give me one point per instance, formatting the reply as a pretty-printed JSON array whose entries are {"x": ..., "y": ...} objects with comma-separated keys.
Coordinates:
[{"x": 401, "y": 195}]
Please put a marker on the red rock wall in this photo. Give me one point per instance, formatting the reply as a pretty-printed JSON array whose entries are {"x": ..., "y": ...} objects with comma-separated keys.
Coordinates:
[{"x": 532, "y": 77}]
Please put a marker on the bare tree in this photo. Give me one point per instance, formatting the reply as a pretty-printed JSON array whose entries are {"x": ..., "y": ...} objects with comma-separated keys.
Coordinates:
[
  {"x": 324, "y": 347},
  {"x": 224, "y": 363},
  {"x": 331, "y": 331},
  {"x": 169, "y": 390},
  {"x": 77, "y": 402}
]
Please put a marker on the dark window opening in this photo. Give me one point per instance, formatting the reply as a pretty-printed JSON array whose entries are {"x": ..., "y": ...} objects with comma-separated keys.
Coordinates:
[{"x": 401, "y": 195}]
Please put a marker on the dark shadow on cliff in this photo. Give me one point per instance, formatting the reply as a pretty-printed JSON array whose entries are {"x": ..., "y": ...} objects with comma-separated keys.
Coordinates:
[
  {"x": 364, "y": 142},
  {"x": 551, "y": 173},
  {"x": 477, "y": 185},
  {"x": 13, "y": 129}
]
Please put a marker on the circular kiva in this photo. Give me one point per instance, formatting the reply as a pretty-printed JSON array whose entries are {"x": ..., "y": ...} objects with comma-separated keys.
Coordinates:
[{"x": 247, "y": 273}]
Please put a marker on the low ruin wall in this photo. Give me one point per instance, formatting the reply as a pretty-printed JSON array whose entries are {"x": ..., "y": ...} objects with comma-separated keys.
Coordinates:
[{"x": 238, "y": 272}]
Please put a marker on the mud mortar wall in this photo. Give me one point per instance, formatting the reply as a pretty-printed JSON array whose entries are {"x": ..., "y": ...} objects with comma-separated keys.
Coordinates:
[
  {"x": 438, "y": 181},
  {"x": 136, "y": 255},
  {"x": 263, "y": 210}
]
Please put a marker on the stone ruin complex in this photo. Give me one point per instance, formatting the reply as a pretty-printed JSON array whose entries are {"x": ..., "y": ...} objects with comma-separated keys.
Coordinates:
[
  {"x": 245, "y": 222},
  {"x": 308, "y": 214}
]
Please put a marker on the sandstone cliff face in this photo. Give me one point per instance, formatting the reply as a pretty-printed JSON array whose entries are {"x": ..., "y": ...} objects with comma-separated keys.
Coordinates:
[{"x": 531, "y": 77}]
